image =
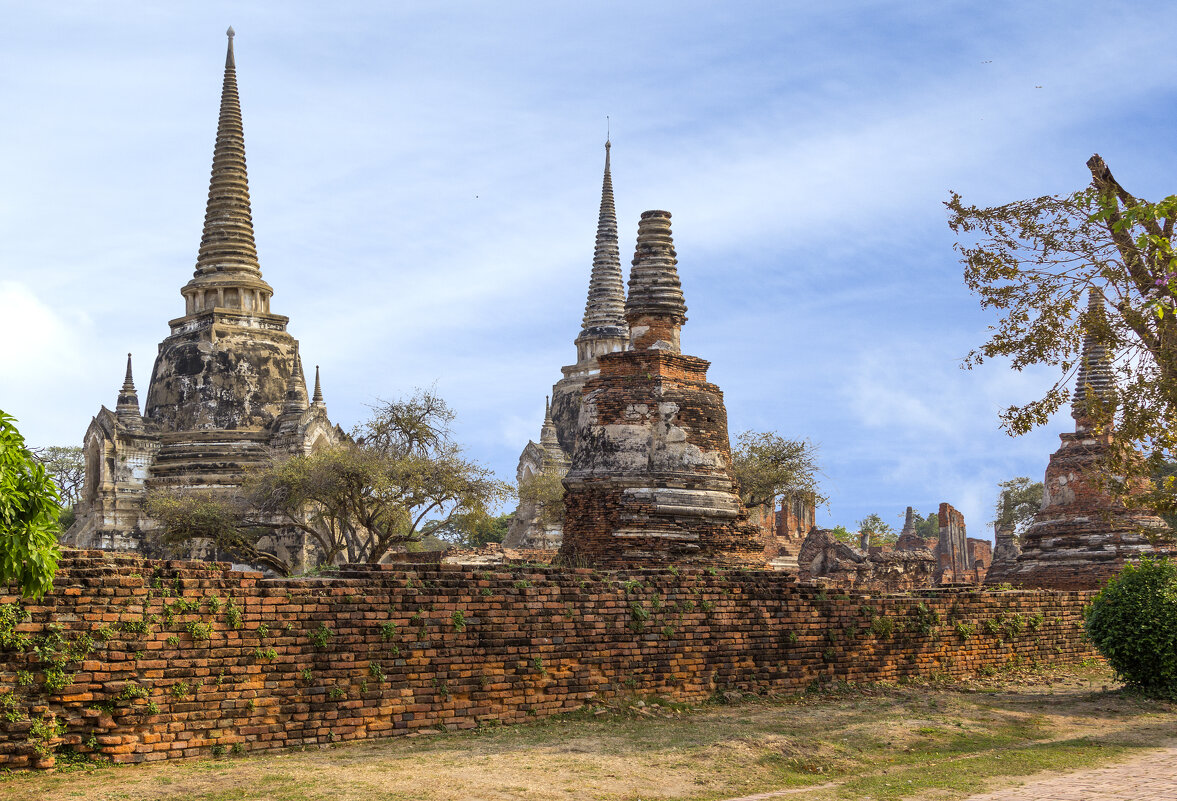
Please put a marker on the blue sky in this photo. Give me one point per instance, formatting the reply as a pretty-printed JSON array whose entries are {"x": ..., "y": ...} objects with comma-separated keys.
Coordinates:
[{"x": 425, "y": 179}]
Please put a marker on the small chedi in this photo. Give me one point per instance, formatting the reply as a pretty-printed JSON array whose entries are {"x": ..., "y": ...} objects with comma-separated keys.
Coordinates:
[
  {"x": 530, "y": 527},
  {"x": 227, "y": 389},
  {"x": 651, "y": 480},
  {"x": 1082, "y": 535},
  {"x": 603, "y": 330}
]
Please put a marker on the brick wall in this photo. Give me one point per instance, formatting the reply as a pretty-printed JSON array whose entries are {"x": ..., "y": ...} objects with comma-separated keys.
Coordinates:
[{"x": 170, "y": 672}]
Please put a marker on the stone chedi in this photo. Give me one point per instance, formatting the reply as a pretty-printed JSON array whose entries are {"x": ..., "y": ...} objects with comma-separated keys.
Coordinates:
[
  {"x": 227, "y": 388},
  {"x": 1082, "y": 535},
  {"x": 651, "y": 478},
  {"x": 603, "y": 330},
  {"x": 530, "y": 527}
]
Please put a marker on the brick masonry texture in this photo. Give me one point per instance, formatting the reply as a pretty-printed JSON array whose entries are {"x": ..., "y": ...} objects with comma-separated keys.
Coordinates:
[{"x": 382, "y": 650}]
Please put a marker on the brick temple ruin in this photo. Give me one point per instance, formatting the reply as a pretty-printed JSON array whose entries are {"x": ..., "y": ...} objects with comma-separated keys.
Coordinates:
[
  {"x": 227, "y": 389},
  {"x": 1082, "y": 535},
  {"x": 913, "y": 562},
  {"x": 651, "y": 479}
]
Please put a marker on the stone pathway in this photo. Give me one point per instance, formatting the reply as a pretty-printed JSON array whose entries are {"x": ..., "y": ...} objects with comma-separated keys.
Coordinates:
[
  {"x": 1147, "y": 778},
  {"x": 1152, "y": 777}
]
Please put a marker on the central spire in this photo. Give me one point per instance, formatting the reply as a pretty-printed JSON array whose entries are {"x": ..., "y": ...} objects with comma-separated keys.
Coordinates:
[
  {"x": 603, "y": 328},
  {"x": 227, "y": 262},
  {"x": 1095, "y": 369}
]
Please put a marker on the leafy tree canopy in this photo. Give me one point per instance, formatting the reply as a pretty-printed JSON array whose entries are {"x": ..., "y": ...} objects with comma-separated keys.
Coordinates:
[
  {"x": 28, "y": 515},
  {"x": 1034, "y": 260},
  {"x": 66, "y": 465},
  {"x": 544, "y": 490},
  {"x": 927, "y": 527},
  {"x": 768, "y": 467},
  {"x": 1018, "y": 500},
  {"x": 469, "y": 530},
  {"x": 355, "y": 501}
]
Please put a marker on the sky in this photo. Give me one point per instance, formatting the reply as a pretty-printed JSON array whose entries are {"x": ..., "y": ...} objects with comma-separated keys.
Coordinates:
[{"x": 425, "y": 179}]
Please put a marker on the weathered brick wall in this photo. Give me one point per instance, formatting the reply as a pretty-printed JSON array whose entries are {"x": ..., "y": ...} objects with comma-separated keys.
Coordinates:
[{"x": 146, "y": 660}]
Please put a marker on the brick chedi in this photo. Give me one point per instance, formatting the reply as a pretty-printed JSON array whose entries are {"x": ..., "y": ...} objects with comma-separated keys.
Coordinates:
[
  {"x": 1082, "y": 535},
  {"x": 227, "y": 389},
  {"x": 651, "y": 478},
  {"x": 603, "y": 330}
]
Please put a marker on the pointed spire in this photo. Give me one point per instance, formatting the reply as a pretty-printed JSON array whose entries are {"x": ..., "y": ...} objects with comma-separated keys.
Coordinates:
[
  {"x": 296, "y": 389},
  {"x": 604, "y": 311},
  {"x": 554, "y": 455},
  {"x": 1095, "y": 368},
  {"x": 127, "y": 408},
  {"x": 227, "y": 243},
  {"x": 318, "y": 396},
  {"x": 655, "y": 309}
]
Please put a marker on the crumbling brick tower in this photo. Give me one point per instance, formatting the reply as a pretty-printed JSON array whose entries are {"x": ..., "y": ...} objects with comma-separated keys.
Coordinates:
[
  {"x": 1081, "y": 536},
  {"x": 651, "y": 479}
]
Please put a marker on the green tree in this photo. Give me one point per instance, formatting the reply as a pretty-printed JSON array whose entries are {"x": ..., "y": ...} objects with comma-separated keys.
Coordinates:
[
  {"x": 926, "y": 527},
  {"x": 768, "y": 467},
  {"x": 881, "y": 532},
  {"x": 28, "y": 515},
  {"x": 1018, "y": 500},
  {"x": 355, "y": 501},
  {"x": 469, "y": 530},
  {"x": 1033, "y": 261},
  {"x": 545, "y": 490},
  {"x": 66, "y": 465}
]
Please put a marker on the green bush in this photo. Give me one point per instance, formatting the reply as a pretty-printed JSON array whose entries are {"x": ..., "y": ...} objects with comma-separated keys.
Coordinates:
[{"x": 1133, "y": 623}]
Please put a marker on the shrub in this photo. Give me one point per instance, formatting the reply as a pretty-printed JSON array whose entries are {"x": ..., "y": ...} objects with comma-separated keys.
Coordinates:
[{"x": 1133, "y": 623}]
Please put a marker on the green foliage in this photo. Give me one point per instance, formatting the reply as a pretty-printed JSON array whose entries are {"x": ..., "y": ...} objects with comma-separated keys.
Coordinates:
[
  {"x": 1133, "y": 623},
  {"x": 459, "y": 620},
  {"x": 42, "y": 731},
  {"x": 131, "y": 691},
  {"x": 882, "y": 627},
  {"x": 388, "y": 631},
  {"x": 545, "y": 491},
  {"x": 57, "y": 679},
  {"x": 843, "y": 534},
  {"x": 66, "y": 465},
  {"x": 321, "y": 635},
  {"x": 638, "y": 615},
  {"x": 10, "y": 616},
  {"x": 28, "y": 515},
  {"x": 355, "y": 500},
  {"x": 1034, "y": 261},
  {"x": 881, "y": 532},
  {"x": 179, "y": 689},
  {"x": 1018, "y": 500},
  {"x": 964, "y": 630},
  {"x": 199, "y": 630},
  {"x": 376, "y": 671},
  {"x": 768, "y": 466},
  {"x": 233, "y": 614}
]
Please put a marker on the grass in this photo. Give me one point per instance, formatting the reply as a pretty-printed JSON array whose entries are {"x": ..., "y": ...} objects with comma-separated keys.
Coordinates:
[{"x": 880, "y": 742}]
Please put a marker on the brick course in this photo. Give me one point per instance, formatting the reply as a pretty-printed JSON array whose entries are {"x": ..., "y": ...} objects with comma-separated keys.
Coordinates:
[{"x": 461, "y": 648}]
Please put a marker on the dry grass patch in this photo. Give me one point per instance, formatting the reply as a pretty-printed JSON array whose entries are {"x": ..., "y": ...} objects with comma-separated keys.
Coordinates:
[{"x": 940, "y": 741}]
